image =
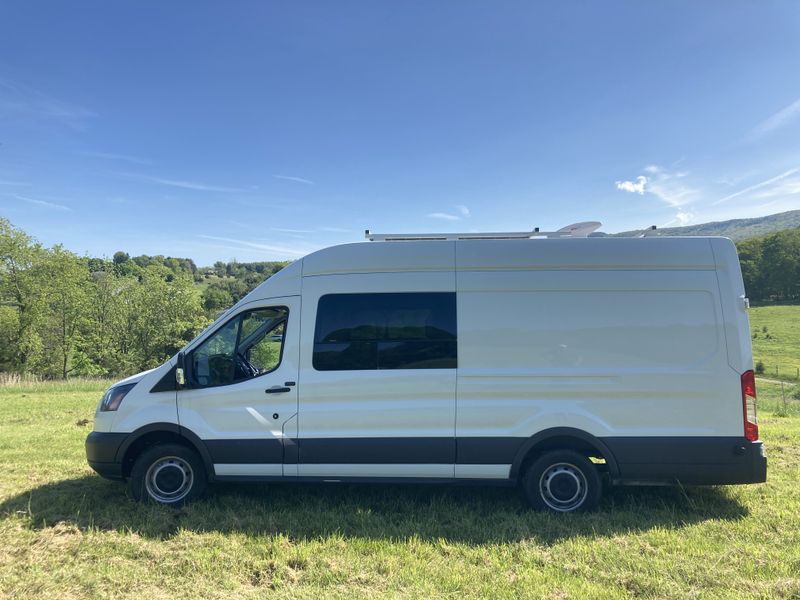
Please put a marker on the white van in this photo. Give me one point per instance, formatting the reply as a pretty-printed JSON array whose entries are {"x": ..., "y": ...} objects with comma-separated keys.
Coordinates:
[{"x": 550, "y": 363}]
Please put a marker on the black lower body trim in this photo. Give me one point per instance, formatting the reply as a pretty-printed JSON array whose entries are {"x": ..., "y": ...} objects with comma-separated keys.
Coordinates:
[
  {"x": 102, "y": 447},
  {"x": 245, "y": 451},
  {"x": 409, "y": 450},
  {"x": 689, "y": 460},
  {"x": 107, "y": 470}
]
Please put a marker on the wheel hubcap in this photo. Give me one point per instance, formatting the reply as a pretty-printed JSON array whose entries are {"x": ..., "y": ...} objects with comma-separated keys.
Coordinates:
[
  {"x": 169, "y": 479},
  {"x": 563, "y": 487}
]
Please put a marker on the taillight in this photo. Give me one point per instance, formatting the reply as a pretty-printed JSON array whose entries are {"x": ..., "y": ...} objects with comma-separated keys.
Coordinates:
[{"x": 749, "y": 406}]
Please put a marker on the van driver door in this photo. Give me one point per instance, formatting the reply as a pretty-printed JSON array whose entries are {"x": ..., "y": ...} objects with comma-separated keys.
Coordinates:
[{"x": 240, "y": 395}]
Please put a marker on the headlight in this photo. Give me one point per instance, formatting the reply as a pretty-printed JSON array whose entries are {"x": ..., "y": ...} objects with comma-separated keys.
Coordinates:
[{"x": 112, "y": 398}]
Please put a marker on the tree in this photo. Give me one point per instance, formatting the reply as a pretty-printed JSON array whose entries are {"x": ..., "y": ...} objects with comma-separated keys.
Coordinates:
[
  {"x": 216, "y": 299},
  {"x": 65, "y": 294},
  {"x": 19, "y": 297},
  {"x": 750, "y": 259},
  {"x": 781, "y": 251}
]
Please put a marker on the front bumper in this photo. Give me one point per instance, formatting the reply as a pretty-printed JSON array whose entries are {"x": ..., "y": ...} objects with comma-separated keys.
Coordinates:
[{"x": 102, "y": 451}]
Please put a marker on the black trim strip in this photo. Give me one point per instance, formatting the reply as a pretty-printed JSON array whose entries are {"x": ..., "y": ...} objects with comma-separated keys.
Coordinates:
[
  {"x": 167, "y": 383},
  {"x": 672, "y": 450},
  {"x": 411, "y": 450},
  {"x": 488, "y": 451},
  {"x": 245, "y": 451}
]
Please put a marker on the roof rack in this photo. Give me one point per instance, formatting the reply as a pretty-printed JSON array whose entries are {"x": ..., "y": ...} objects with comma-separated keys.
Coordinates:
[{"x": 571, "y": 231}]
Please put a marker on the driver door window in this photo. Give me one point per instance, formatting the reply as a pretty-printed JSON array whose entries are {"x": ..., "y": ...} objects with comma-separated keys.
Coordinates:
[{"x": 249, "y": 345}]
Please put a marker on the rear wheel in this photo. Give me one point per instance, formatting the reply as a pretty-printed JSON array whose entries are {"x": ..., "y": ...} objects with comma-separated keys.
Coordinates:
[
  {"x": 168, "y": 474},
  {"x": 562, "y": 481}
]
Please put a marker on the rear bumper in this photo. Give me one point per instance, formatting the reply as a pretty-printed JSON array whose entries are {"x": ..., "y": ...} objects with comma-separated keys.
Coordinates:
[
  {"x": 689, "y": 460},
  {"x": 101, "y": 453}
]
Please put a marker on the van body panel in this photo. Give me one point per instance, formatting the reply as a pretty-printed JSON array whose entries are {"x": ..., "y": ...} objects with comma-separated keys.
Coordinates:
[
  {"x": 349, "y": 259},
  {"x": 589, "y": 254},
  {"x": 732, "y": 294},
  {"x": 286, "y": 282},
  {"x": 595, "y": 350},
  {"x": 140, "y": 408}
]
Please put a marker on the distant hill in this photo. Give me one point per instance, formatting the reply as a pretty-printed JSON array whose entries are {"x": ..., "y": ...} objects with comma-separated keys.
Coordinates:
[{"x": 736, "y": 229}]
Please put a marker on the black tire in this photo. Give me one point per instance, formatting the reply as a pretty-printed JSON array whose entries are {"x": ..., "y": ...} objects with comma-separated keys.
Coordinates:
[
  {"x": 168, "y": 474},
  {"x": 562, "y": 481}
]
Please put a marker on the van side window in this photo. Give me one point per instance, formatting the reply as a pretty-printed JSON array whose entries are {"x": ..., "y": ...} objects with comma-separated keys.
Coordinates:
[
  {"x": 249, "y": 345},
  {"x": 356, "y": 332}
]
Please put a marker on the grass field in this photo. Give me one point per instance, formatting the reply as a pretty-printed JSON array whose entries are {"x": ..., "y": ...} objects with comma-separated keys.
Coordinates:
[
  {"x": 778, "y": 345},
  {"x": 67, "y": 533}
]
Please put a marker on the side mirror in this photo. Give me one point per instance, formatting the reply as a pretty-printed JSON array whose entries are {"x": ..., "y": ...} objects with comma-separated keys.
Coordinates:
[{"x": 180, "y": 373}]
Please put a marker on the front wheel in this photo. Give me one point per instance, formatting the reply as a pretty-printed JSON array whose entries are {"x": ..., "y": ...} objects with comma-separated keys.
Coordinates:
[
  {"x": 168, "y": 474},
  {"x": 562, "y": 481}
]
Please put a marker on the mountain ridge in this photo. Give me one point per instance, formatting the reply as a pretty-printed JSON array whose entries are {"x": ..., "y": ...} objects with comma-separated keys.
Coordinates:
[{"x": 736, "y": 229}]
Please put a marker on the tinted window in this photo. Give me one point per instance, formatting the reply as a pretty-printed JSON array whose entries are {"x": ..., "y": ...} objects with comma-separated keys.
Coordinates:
[
  {"x": 385, "y": 331},
  {"x": 247, "y": 346}
]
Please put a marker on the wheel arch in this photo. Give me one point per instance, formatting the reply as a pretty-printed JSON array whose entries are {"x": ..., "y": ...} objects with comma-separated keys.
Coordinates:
[
  {"x": 562, "y": 438},
  {"x": 157, "y": 433}
]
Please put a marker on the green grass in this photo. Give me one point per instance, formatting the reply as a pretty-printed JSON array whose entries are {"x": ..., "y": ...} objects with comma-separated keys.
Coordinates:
[
  {"x": 779, "y": 345},
  {"x": 66, "y": 533}
]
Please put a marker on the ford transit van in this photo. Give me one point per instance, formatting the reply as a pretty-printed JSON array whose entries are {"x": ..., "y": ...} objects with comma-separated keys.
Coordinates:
[{"x": 554, "y": 364}]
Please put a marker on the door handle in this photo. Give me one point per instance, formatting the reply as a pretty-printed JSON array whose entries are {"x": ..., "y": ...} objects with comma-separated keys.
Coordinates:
[{"x": 276, "y": 389}]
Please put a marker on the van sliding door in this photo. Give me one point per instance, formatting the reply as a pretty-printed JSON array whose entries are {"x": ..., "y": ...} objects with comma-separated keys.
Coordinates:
[{"x": 378, "y": 376}]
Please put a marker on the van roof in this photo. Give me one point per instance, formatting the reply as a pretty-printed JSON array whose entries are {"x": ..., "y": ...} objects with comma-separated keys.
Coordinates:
[{"x": 650, "y": 253}]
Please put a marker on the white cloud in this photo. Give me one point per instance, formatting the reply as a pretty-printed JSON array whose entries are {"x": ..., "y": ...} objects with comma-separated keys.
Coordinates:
[
  {"x": 663, "y": 184},
  {"x": 757, "y": 186},
  {"x": 295, "y": 179},
  {"x": 462, "y": 212},
  {"x": 282, "y": 250},
  {"x": 20, "y": 101},
  {"x": 787, "y": 187},
  {"x": 337, "y": 230},
  {"x": 672, "y": 193},
  {"x": 636, "y": 187},
  {"x": 668, "y": 187},
  {"x": 186, "y": 185},
  {"x": 681, "y": 219},
  {"x": 285, "y": 230},
  {"x": 42, "y": 203},
  {"x": 122, "y": 157},
  {"x": 780, "y": 119}
]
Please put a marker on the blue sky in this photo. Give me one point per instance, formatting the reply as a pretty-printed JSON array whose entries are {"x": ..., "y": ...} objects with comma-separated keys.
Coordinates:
[{"x": 260, "y": 131}]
